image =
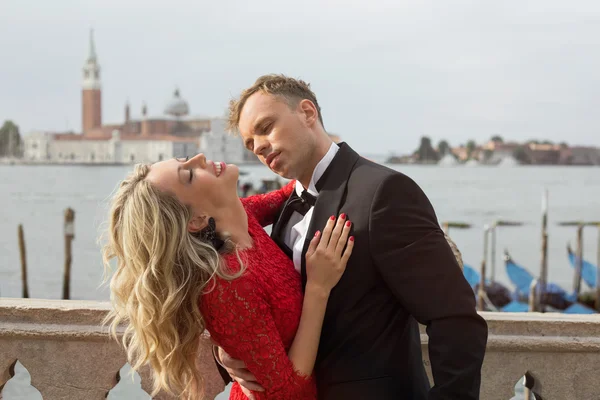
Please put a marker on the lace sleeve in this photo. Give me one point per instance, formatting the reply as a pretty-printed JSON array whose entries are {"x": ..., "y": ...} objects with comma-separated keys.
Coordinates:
[
  {"x": 265, "y": 207},
  {"x": 239, "y": 320}
]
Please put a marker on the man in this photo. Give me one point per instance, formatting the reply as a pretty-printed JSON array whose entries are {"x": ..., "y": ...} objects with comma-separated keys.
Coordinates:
[{"x": 402, "y": 270}]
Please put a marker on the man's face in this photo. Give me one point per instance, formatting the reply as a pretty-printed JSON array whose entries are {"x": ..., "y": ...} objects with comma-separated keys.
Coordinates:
[{"x": 280, "y": 137}]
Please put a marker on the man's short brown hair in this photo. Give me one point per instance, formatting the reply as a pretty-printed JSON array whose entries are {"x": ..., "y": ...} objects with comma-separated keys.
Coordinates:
[{"x": 290, "y": 90}]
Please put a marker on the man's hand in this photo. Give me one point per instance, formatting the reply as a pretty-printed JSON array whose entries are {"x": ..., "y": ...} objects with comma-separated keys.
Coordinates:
[{"x": 238, "y": 372}]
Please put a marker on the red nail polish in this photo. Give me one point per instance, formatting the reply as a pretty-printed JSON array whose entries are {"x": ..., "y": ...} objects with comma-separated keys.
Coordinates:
[
  {"x": 317, "y": 233},
  {"x": 348, "y": 223},
  {"x": 351, "y": 238},
  {"x": 343, "y": 216},
  {"x": 332, "y": 217}
]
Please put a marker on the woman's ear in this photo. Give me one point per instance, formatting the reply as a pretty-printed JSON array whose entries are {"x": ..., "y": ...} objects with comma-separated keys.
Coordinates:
[{"x": 196, "y": 224}]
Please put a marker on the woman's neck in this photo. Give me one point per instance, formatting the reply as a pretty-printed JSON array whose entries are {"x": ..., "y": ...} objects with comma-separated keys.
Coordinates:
[{"x": 233, "y": 221}]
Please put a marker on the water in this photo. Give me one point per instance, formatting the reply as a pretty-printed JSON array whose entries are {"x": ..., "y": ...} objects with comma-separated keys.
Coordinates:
[{"x": 36, "y": 196}]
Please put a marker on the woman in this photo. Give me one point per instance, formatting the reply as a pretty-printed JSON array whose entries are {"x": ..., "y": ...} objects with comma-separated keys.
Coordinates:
[{"x": 192, "y": 256}]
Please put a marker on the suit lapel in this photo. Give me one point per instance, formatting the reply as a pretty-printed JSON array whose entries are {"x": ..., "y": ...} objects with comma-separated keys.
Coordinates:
[
  {"x": 280, "y": 223},
  {"x": 332, "y": 190},
  {"x": 279, "y": 220}
]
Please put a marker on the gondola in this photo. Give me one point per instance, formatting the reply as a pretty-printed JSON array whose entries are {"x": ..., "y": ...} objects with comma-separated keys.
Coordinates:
[
  {"x": 555, "y": 296},
  {"x": 499, "y": 295}
]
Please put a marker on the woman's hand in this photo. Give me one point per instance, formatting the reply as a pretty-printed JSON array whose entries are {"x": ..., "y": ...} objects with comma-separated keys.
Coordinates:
[{"x": 326, "y": 258}]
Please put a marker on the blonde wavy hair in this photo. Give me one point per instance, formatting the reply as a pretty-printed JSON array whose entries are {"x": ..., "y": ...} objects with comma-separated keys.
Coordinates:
[
  {"x": 455, "y": 251},
  {"x": 161, "y": 271}
]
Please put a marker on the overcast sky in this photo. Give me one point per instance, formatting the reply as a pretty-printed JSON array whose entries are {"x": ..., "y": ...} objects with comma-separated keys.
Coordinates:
[{"x": 385, "y": 72}]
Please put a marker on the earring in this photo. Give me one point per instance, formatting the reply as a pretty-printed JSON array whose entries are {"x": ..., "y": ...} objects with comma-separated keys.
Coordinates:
[{"x": 209, "y": 234}]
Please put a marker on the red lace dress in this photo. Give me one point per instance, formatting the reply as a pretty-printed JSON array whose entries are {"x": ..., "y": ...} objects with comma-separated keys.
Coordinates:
[{"x": 254, "y": 318}]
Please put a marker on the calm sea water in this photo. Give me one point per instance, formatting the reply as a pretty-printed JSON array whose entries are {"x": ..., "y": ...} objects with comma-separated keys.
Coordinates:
[{"x": 36, "y": 196}]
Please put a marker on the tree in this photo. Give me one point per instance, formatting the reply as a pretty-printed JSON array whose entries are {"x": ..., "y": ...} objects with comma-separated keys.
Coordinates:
[
  {"x": 470, "y": 147},
  {"x": 497, "y": 138},
  {"x": 487, "y": 154},
  {"x": 426, "y": 151},
  {"x": 10, "y": 140},
  {"x": 443, "y": 148},
  {"x": 520, "y": 154}
]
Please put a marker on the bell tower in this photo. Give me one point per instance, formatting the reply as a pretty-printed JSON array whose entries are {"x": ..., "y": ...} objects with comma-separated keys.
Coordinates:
[{"x": 91, "y": 94}]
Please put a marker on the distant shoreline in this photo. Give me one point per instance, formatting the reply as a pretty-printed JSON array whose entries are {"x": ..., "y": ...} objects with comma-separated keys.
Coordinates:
[
  {"x": 17, "y": 162},
  {"x": 490, "y": 165}
]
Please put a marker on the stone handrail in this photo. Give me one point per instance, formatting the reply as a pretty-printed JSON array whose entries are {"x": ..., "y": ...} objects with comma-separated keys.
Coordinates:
[
  {"x": 69, "y": 355},
  {"x": 562, "y": 351}
]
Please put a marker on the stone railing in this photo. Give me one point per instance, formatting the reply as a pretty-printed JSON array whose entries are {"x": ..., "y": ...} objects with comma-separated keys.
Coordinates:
[
  {"x": 62, "y": 347},
  {"x": 57, "y": 350},
  {"x": 560, "y": 352}
]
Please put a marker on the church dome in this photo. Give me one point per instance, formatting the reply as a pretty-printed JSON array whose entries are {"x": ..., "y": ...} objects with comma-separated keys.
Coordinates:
[{"x": 177, "y": 106}]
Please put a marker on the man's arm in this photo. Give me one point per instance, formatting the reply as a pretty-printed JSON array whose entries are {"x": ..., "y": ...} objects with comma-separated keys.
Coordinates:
[
  {"x": 418, "y": 265},
  {"x": 266, "y": 207}
]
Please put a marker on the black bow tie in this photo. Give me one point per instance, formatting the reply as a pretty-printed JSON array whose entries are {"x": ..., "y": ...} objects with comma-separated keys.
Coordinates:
[
  {"x": 302, "y": 203},
  {"x": 308, "y": 198}
]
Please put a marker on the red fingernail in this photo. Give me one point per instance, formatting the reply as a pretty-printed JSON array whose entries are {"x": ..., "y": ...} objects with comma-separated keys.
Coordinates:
[
  {"x": 351, "y": 238},
  {"x": 348, "y": 223},
  {"x": 343, "y": 216},
  {"x": 332, "y": 217},
  {"x": 317, "y": 233}
]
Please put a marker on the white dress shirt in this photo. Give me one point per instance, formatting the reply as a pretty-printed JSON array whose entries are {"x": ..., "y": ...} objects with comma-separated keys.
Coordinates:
[{"x": 296, "y": 228}]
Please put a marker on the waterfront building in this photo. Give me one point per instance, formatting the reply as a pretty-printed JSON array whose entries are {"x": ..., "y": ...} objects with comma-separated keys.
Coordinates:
[{"x": 144, "y": 139}]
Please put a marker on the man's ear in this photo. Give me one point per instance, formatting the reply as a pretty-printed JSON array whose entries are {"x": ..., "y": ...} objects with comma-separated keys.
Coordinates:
[
  {"x": 311, "y": 115},
  {"x": 196, "y": 224}
]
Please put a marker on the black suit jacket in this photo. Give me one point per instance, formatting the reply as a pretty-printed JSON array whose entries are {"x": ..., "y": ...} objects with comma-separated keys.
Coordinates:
[{"x": 402, "y": 271}]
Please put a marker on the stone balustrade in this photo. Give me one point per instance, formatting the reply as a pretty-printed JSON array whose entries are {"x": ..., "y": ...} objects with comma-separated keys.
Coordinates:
[{"x": 58, "y": 350}]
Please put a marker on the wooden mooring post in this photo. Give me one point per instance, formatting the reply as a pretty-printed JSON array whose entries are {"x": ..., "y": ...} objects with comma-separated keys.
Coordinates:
[
  {"x": 533, "y": 296},
  {"x": 578, "y": 261},
  {"x": 598, "y": 274},
  {"x": 23, "y": 261},
  {"x": 481, "y": 291},
  {"x": 493, "y": 252},
  {"x": 69, "y": 231},
  {"x": 543, "y": 279},
  {"x": 579, "y": 257},
  {"x": 499, "y": 223}
]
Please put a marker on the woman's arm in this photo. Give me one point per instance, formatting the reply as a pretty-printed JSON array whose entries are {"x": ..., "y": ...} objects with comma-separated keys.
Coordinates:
[
  {"x": 240, "y": 321},
  {"x": 265, "y": 207},
  {"x": 325, "y": 264}
]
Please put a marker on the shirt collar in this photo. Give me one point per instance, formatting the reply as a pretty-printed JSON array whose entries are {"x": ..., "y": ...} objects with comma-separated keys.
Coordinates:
[{"x": 319, "y": 171}]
